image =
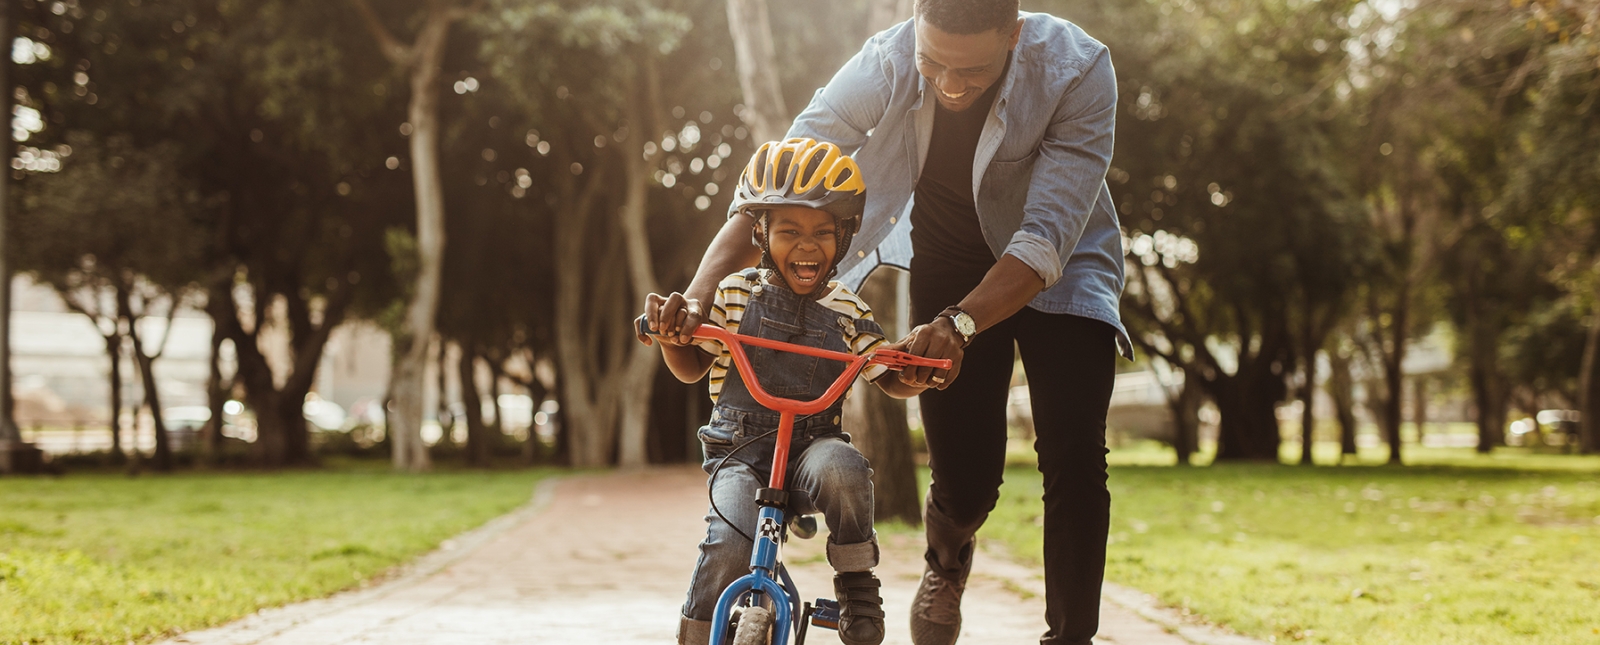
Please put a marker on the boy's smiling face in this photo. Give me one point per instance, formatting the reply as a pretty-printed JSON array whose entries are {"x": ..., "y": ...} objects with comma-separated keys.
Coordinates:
[{"x": 803, "y": 242}]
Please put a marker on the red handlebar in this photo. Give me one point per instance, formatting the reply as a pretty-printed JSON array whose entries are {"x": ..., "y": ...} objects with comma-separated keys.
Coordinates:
[{"x": 892, "y": 359}]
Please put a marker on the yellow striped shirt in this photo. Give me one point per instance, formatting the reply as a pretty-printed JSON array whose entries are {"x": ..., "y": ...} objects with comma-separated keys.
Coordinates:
[{"x": 733, "y": 293}]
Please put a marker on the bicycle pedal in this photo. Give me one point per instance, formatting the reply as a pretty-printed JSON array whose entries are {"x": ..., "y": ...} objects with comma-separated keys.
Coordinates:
[{"x": 825, "y": 614}]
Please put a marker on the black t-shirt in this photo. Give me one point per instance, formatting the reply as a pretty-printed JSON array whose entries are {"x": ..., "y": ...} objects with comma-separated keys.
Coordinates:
[{"x": 945, "y": 235}]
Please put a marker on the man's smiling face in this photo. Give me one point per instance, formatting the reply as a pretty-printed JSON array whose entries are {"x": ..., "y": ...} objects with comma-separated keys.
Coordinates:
[{"x": 960, "y": 67}]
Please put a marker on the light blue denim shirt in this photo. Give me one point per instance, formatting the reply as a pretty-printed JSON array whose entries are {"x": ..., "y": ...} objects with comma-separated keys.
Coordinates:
[{"x": 1039, "y": 174}]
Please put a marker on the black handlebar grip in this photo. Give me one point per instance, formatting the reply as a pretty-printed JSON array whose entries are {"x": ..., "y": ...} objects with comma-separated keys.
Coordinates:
[{"x": 642, "y": 323}]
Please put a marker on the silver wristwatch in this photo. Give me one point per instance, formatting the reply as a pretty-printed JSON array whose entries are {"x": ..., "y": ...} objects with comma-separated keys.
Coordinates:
[{"x": 963, "y": 323}]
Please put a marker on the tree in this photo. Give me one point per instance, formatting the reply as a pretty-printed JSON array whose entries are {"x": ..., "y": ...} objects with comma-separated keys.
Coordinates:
[
  {"x": 421, "y": 60},
  {"x": 611, "y": 159},
  {"x": 1227, "y": 191},
  {"x": 1552, "y": 187},
  {"x": 287, "y": 183},
  {"x": 9, "y": 434},
  {"x": 112, "y": 232}
]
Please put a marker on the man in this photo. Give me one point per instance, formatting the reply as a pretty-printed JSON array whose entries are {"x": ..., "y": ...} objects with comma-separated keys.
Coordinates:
[{"x": 991, "y": 129}]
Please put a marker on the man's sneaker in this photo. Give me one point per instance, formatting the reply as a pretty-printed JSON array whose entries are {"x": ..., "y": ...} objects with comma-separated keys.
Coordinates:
[
  {"x": 936, "y": 610},
  {"x": 860, "y": 608}
]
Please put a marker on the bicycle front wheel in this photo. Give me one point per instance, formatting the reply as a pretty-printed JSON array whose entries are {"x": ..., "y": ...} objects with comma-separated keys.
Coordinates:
[{"x": 755, "y": 627}]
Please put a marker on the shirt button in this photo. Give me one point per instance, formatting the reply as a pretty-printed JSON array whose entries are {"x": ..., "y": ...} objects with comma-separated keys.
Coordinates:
[{"x": 836, "y": 419}]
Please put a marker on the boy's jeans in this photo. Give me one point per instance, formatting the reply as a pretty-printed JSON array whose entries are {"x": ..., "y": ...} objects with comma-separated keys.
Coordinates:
[{"x": 829, "y": 476}]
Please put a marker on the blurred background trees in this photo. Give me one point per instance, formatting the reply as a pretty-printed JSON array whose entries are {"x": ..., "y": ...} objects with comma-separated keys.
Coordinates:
[{"x": 1311, "y": 192}]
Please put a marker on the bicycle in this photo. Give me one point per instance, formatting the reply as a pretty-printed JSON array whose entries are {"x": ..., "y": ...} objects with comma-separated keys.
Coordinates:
[{"x": 753, "y": 606}]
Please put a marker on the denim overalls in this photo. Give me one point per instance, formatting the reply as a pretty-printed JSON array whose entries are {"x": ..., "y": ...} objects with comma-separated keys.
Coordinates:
[{"x": 826, "y": 473}]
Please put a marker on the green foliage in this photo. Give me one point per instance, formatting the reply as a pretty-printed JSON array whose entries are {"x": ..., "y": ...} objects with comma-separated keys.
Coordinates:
[
  {"x": 1425, "y": 555},
  {"x": 1243, "y": 234},
  {"x": 106, "y": 559},
  {"x": 115, "y": 210}
]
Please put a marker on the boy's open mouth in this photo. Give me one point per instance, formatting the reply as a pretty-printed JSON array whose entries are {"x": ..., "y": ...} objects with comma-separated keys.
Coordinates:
[{"x": 806, "y": 273}]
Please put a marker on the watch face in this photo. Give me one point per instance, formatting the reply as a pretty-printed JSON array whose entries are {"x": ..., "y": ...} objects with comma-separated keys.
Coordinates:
[{"x": 964, "y": 324}]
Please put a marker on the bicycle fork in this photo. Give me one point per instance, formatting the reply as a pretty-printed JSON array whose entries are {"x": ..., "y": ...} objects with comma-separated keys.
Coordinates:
[{"x": 760, "y": 580}]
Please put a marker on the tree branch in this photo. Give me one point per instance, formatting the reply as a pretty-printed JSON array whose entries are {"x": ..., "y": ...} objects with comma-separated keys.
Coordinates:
[
  {"x": 172, "y": 311},
  {"x": 397, "y": 52}
]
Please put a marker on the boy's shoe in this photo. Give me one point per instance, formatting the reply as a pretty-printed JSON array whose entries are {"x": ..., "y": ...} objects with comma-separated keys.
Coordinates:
[
  {"x": 693, "y": 632},
  {"x": 936, "y": 610},
  {"x": 860, "y": 608}
]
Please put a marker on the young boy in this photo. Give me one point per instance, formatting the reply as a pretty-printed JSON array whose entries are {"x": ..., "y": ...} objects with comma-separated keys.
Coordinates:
[{"x": 806, "y": 199}]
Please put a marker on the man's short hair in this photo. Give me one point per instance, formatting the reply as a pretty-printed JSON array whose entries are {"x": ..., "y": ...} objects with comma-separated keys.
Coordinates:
[{"x": 964, "y": 17}]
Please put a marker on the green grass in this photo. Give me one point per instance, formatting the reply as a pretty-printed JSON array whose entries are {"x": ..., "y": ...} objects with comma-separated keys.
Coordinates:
[
  {"x": 1459, "y": 548},
  {"x": 112, "y": 559}
]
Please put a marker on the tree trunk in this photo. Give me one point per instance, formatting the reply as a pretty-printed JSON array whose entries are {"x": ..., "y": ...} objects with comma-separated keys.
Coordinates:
[
  {"x": 764, "y": 110},
  {"x": 441, "y": 406},
  {"x": 422, "y": 61},
  {"x": 1308, "y": 389},
  {"x": 591, "y": 307},
  {"x": 216, "y": 399},
  {"x": 281, "y": 435},
  {"x": 1490, "y": 403},
  {"x": 9, "y": 433},
  {"x": 1419, "y": 405},
  {"x": 114, "y": 354},
  {"x": 478, "y": 438},
  {"x": 643, "y": 361},
  {"x": 499, "y": 425},
  {"x": 1589, "y": 387},
  {"x": 1393, "y": 376},
  {"x": 1249, "y": 424},
  {"x": 877, "y": 421},
  {"x": 1488, "y": 393},
  {"x": 561, "y": 454},
  {"x": 606, "y": 375},
  {"x": 1186, "y": 418},
  {"x": 162, "y": 456},
  {"x": 287, "y": 414},
  {"x": 1341, "y": 388},
  {"x": 1308, "y": 419}
]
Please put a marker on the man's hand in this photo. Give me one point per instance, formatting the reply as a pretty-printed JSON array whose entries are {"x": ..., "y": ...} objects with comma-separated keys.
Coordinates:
[
  {"x": 933, "y": 340},
  {"x": 674, "y": 317}
]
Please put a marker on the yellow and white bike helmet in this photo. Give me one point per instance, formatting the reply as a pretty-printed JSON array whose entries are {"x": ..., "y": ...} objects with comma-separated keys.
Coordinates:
[{"x": 803, "y": 172}]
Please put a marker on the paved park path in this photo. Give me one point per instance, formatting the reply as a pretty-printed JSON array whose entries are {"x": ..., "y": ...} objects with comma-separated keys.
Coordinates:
[{"x": 605, "y": 558}]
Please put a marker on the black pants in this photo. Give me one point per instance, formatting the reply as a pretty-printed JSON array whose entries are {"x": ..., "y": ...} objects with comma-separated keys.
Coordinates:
[{"x": 1071, "y": 364}]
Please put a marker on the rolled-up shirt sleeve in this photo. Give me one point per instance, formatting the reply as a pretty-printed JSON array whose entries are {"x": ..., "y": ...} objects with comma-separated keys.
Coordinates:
[{"x": 1070, "y": 171}]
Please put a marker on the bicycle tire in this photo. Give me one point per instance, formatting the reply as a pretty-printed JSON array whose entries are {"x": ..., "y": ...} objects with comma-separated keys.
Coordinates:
[{"x": 755, "y": 627}]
